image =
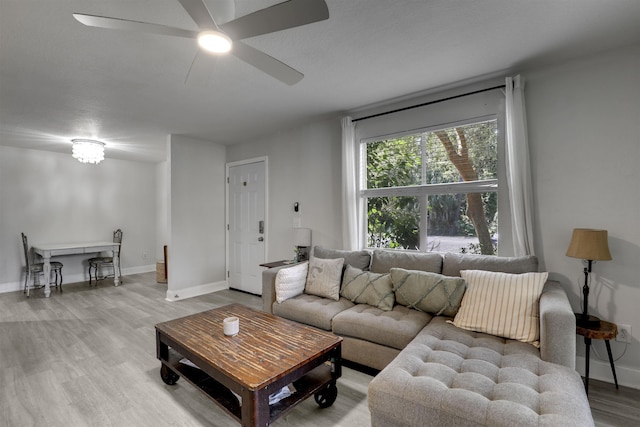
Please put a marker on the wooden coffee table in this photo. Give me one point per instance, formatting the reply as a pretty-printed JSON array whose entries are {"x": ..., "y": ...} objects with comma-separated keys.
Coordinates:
[{"x": 268, "y": 354}]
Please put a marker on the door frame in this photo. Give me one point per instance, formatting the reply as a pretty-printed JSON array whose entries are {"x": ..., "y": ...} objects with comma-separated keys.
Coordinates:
[{"x": 265, "y": 160}]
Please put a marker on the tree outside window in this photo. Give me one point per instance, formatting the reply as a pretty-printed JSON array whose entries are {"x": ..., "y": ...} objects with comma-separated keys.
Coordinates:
[{"x": 434, "y": 190}]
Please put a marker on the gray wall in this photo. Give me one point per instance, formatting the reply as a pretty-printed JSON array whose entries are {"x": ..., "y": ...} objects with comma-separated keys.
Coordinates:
[
  {"x": 304, "y": 167},
  {"x": 53, "y": 198},
  {"x": 584, "y": 130},
  {"x": 196, "y": 214}
]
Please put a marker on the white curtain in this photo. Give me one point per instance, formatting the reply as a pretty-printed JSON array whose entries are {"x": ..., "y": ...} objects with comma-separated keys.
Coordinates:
[
  {"x": 350, "y": 199},
  {"x": 518, "y": 168}
]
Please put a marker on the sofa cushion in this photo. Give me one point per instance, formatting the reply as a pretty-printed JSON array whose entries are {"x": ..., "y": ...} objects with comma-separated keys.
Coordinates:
[
  {"x": 311, "y": 310},
  {"x": 395, "y": 328},
  {"x": 502, "y": 304},
  {"x": 454, "y": 263},
  {"x": 383, "y": 260},
  {"x": 453, "y": 377},
  {"x": 324, "y": 277},
  {"x": 365, "y": 287},
  {"x": 290, "y": 281},
  {"x": 429, "y": 292},
  {"x": 357, "y": 259}
]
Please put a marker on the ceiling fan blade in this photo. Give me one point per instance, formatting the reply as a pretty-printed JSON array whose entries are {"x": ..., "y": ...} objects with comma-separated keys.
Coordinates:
[
  {"x": 128, "y": 25},
  {"x": 290, "y": 14},
  {"x": 266, "y": 63},
  {"x": 199, "y": 13},
  {"x": 202, "y": 69}
]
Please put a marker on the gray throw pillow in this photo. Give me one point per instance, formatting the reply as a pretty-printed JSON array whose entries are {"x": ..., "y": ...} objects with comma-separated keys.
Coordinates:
[
  {"x": 364, "y": 287},
  {"x": 429, "y": 292}
]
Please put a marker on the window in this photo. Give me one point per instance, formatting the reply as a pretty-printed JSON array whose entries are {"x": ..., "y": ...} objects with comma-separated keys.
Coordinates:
[{"x": 434, "y": 189}]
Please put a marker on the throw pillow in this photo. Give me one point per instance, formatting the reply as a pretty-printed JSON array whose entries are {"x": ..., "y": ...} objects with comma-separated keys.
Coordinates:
[
  {"x": 502, "y": 304},
  {"x": 323, "y": 278},
  {"x": 429, "y": 292},
  {"x": 364, "y": 287},
  {"x": 290, "y": 281}
]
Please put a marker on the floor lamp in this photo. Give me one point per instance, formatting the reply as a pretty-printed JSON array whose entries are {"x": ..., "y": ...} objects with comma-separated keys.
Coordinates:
[{"x": 589, "y": 245}]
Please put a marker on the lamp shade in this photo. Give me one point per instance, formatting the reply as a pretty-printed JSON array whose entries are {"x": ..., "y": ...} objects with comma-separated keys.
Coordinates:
[
  {"x": 302, "y": 236},
  {"x": 589, "y": 244}
]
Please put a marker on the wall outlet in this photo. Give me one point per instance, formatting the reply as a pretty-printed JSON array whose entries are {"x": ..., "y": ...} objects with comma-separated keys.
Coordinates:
[
  {"x": 145, "y": 255},
  {"x": 624, "y": 334}
]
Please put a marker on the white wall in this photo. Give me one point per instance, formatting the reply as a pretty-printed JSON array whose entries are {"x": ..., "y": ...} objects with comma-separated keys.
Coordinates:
[
  {"x": 304, "y": 167},
  {"x": 52, "y": 197},
  {"x": 162, "y": 197},
  {"x": 584, "y": 129},
  {"x": 196, "y": 217}
]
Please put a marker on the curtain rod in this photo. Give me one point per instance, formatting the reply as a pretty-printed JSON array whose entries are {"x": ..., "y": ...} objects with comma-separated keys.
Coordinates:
[{"x": 429, "y": 103}]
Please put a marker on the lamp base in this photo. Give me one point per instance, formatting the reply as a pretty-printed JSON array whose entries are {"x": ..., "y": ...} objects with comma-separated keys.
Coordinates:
[
  {"x": 587, "y": 322},
  {"x": 302, "y": 253}
]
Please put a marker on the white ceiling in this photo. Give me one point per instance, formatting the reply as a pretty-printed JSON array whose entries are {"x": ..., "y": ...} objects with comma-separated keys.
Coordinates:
[{"x": 61, "y": 80}]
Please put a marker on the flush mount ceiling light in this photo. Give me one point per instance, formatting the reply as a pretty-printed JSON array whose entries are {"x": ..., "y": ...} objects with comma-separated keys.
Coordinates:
[
  {"x": 88, "y": 150},
  {"x": 214, "y": 41}
]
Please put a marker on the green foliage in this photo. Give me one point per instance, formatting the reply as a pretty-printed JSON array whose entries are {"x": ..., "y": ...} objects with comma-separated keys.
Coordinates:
[{"x": 394, "y": 222}]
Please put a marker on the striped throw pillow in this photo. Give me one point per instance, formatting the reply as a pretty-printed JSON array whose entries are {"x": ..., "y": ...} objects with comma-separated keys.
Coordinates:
[{"x": 502, "y": 304}]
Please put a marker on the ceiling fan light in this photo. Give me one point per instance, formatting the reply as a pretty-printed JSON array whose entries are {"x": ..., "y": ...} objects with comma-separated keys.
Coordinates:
[{"x": 214, "y": 41}]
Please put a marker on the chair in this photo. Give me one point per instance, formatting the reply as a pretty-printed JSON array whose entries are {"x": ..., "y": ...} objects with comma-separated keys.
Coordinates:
[
  {"x": 99, "y": 263},
  {"x": 36, "y": 269}
]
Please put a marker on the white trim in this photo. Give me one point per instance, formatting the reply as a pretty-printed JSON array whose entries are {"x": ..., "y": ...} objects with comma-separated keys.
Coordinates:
[
  {"x": 265, "y": 160},
  {"x": 196, "y": 291},
  {"x": 484, "y": 186},
  {"x": 76, "y": 278},
  {"x": 600, "y": 370},
  {"x": 432, "y": 128}
]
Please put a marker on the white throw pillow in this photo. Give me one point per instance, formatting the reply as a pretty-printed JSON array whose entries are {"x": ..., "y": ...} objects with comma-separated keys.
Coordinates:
[
  {"x": 324, "y": 277},
  {"x": 502, "y": 304},
  {"x": 290, "y": 281}
]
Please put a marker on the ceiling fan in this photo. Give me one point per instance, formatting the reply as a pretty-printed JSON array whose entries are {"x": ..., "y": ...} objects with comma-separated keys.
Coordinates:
[{"x": 222, "y": 38}]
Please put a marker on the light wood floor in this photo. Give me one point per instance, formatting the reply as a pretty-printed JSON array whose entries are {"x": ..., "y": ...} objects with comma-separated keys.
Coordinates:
[{"x": 86, "y": 357}]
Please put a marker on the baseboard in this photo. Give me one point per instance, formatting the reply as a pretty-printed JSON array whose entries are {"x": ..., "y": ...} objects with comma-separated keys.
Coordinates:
[
  {"x": 139, "y": 269},
  {"x": 601, "y": 370},
  {"x": 194, "y": 291},
  {"x": 77, "y": 277}
]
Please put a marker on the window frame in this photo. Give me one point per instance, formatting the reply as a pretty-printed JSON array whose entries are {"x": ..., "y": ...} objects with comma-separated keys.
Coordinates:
[{"x": 423, "y": 191}]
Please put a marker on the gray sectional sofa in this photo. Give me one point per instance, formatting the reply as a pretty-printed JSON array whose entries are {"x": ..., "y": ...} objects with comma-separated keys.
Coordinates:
[{"x": 434, "y": 373}]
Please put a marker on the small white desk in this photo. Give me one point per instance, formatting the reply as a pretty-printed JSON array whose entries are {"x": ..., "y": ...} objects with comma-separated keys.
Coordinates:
[{"x": 47, "y": 251}]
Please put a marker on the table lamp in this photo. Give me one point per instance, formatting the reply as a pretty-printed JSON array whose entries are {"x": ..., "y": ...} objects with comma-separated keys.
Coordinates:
[
  {"x": 589, "y": 245},
  {"x": 302, "y": 242}
]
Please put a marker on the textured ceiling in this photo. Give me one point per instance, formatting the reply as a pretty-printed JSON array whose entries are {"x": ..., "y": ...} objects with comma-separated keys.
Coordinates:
[{"x": 61, "y": 80}]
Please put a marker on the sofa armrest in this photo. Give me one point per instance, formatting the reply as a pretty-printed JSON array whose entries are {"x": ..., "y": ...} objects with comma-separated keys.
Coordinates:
[
  {"x": 269, "y": 287},
  {"x": 557, "y": 326}
]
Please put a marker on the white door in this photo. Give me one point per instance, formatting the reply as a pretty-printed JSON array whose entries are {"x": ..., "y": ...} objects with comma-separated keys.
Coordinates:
[{"x": 246, "y": 225}]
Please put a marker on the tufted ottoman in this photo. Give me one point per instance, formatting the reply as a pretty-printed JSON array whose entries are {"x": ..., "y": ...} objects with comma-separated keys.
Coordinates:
[{"x": 448, "y": 376}]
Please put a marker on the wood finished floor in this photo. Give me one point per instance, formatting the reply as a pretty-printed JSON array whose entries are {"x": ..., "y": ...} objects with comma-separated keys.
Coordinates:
[{"x": 86, "y": 357}]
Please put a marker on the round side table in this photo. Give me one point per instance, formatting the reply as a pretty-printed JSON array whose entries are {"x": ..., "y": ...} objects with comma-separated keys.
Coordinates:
[{"x": 604, "y": 331}]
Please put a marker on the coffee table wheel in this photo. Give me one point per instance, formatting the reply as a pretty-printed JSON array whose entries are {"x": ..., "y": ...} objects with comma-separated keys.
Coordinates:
[
  {"x": 325, "y": 397},
  {"x": 168, "y": 376}
]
